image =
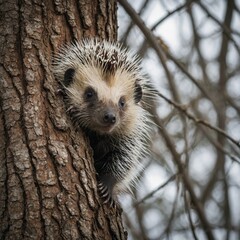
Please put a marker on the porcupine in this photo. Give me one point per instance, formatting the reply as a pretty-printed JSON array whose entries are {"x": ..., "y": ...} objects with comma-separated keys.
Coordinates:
[{"x": 105, "y": 92}]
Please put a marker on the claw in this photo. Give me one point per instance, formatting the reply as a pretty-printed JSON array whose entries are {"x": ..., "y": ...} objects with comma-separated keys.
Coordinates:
[
  {"x": 108, "y": 199},
  {"x": 100, "y": 186},
  {"x": 113, "y": 204},
  {"x": 60, "y": 91},
  {"x": 105, "y": 194}
]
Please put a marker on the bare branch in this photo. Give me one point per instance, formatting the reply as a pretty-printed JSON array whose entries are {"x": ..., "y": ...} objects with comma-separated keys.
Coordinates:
[
  {"x": 200, "y": 121},
  {"x": 226, "y": 30},
  {"x": 196, "y": 144},
  {"x": 169, "y": 14},
  {"x": 162, "y": 53},
  {"x": 172, "y": 178},
  {"x": 188, "y": 209}
]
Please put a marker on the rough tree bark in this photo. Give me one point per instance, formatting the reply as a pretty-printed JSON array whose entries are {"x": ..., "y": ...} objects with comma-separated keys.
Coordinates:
[{"x": 47, "y": 179}]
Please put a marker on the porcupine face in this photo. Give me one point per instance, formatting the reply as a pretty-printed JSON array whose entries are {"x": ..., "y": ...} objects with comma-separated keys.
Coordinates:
[
  {"x": 105, "y": 102},
  {"x": 103, "y": 83}
]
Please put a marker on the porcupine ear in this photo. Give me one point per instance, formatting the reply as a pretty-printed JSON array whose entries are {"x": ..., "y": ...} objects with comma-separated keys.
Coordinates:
[
  {"x": 137, "y": 92},
  {"x": 68, "y": 77}
]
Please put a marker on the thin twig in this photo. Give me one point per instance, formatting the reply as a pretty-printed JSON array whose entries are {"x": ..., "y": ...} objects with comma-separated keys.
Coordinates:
[
  {"x": 199, "y": 121},
  {"x": 188, "y": 184},
  {"x": 131, "y": 24},
  {"x": 187, "y": 206},
  {"x": 169, "y": 224},
  {"x": 173, "y": 177},
  {"x": 177, "y": 9},
  {"x": 226, "y": 30}
]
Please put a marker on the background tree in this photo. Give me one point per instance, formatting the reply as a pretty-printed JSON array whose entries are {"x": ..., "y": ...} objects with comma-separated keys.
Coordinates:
[
  {"x": 191, "y": 49},
  {"x": 47, "y": 180}
]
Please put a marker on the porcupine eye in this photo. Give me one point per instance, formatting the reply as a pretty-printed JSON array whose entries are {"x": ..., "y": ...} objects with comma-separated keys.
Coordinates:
[
  {"x": 137, "y": 93},
  {"x": 68, "y": 77},
  {"x": 90, "y": 95},
  {"x": 122, "y": 102}
]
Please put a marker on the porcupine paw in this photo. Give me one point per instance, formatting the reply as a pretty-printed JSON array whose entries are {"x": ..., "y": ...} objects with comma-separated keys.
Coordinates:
[{"x": 106, "y": 194}]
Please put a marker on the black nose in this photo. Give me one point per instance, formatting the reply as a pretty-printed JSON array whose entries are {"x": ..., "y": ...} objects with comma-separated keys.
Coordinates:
[{"x": 109, "y": 117}]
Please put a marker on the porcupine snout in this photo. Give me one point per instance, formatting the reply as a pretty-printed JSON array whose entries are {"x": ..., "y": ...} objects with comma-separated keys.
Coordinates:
[{"x": 109, "y": 117}]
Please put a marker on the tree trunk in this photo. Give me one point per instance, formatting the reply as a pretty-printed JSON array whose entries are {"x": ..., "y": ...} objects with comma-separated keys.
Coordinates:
[{"x": 47, "y": 179}]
